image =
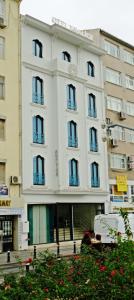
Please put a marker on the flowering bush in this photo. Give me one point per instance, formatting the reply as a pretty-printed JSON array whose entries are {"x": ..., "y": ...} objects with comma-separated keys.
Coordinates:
[{"x": 94, "y": 275}]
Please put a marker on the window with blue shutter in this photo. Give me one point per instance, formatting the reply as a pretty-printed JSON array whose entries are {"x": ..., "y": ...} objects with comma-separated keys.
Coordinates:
[
  {"x": 37, "y": 48},
  {"x": 37, "y": 90},
  {"x": 93, "y": 139},
  {"x": 71, "y": 97},
  {"x": 90, "y": 69},
  {"x": 38, "y": 170},
  {"x": 72, "y": 134},
  {"x": 73, "y": 173},
  {"x": 95, "y": 179},
  {"x": 38, "y": 130},
  {"x": 92, "y": 106}
]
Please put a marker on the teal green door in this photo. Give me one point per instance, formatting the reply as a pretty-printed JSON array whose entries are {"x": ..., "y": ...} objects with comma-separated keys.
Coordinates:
[{"x": 37, "y": 224}]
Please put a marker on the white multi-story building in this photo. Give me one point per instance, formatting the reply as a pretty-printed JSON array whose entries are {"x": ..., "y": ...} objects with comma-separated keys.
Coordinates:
[{"x": 64, "y": 152}]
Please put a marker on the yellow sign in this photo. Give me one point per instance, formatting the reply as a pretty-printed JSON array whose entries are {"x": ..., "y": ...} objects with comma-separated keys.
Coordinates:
[
  {"x": 121, "y": 181},
  {"x": 5, "y": 202}
]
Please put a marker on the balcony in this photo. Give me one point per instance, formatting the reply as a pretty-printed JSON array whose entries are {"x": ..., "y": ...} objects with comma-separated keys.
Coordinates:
[
  {"x": 92, "y": 113},
  {"x": 73, "y": 181},
  {"x": 94, "y": 147},
  {"x": 38, "y": 179},
  {"x": 37, "y": 98},
  {"x": 95, "y": 182},
  {"x": 71, "y": 105},
  {"x": 38, "y": 138},
  {"x": 72, "y": 142}
]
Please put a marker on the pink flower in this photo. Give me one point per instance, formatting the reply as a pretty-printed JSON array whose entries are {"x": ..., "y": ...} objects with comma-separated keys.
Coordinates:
[
  {"x": 113, "y": 273},
  {"x": 102, "y": 268},
  {"x": 28, "y": 260},
  {"x": 46, "y": 290},
  {"x": 121, "y": 271}
]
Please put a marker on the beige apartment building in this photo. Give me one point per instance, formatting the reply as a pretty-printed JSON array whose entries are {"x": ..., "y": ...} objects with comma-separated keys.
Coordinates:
[
  {"x": 119, "y": 94},
  {"x": 11, "y": 207}
]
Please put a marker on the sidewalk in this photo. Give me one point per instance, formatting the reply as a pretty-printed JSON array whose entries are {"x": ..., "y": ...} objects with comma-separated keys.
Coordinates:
[{"x": 65, "y": 248}]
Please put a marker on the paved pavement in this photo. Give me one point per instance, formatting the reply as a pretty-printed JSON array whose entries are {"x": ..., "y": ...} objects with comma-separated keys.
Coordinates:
[{"x": 65, "y": 248}]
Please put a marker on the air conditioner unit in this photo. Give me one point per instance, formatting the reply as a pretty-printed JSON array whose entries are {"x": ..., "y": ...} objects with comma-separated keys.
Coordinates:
[
  {"x": 108, "y": 121},
  {"x": 114, "y": 142},
  {"x": 122, "y": 115},
  {"x": 15, "y": 180},
  {"x": 2, "y": 22}
]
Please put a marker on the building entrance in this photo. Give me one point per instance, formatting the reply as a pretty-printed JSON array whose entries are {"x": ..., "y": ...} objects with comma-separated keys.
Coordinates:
[{"x": 6, "y": 229}]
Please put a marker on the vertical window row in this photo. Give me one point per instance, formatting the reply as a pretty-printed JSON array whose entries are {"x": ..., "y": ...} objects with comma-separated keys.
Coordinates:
[
  {"x": 93, "y": 139},
  {"x": 38, "y": 170},
  {"x": 37, "y": 48},
  {"x": 72, "y": 134},
  {"x": 37, "y": 90},
  {"x": 38, "y": 130}
]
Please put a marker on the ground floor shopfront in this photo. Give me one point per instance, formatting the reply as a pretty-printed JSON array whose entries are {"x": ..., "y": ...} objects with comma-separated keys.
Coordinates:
[
  {"x": 11, "y": 229},
  {"x": 60, "y": 221}
]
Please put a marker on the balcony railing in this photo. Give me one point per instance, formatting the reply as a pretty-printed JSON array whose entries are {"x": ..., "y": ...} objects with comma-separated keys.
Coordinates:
[
  {"x": 95, "y": 182},
  {"x": 74, "y": 181},
  {"x": 38, "y": 98},
  {"x": 38, "y": 179},
  {"x": 72, "y": 142},
  {"x": 71, "y": 105},
  {"x": 38, "y": 138},
  {"x": 92, "y": 113},
  {"x": 94, "y": 147}
]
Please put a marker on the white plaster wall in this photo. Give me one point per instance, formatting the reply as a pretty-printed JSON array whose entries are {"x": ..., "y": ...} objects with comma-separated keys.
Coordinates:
[{"x": 56, "y": 117}]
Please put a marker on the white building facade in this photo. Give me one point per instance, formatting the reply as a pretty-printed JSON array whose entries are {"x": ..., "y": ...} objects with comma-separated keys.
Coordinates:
[{"x": 64, "y": 151}]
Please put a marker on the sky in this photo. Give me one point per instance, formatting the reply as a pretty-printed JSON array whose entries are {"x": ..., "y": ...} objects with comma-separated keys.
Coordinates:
[{"x": 114, "y": 16}]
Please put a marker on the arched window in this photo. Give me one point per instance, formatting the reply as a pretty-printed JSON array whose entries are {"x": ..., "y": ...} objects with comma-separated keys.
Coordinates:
[
  {"x": 37, "y": 90},
  {"x": 95, "y": 178},
  {"x": 71, "y": 97},
  {"x": 66, "y": 56},
  {"x": 38, "y": 170},
  {"x": 38, "y": 130},
  {"x": 93, "y": 139},
  {"x": 72, "y": 134},
  {"x": 90, "y": 69},
  {"x": 73, "y": 172},
  {"x": 92, "y": 106},
  {"x": 37, "y": 48}
]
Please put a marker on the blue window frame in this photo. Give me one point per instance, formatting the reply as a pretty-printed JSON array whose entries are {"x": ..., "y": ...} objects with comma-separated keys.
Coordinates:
[
  {"x": 92, "y": 106},
  {"x": 66, "y": 56},
  {"x": 90, "y": 69},
  {"x": 38, "y": 170},
  {"x": 72, "y": 134},
  {"x": 93, "y": 139},
  {"x": 71, "y": 97},
  {"x": 37, "y": 90},
  {"x": 37, "y": 48},
  {"x": 95, "y": 179},
  {"x": 73, "y": 173},
  {"x": 38, "y": 130}
]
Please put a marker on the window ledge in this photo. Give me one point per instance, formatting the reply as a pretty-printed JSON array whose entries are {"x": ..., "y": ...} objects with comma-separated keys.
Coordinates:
[
  {"x": 39, "y": 187},
  {"x": 118, "y": 84},
  {"x": 73, "y": 148},
  {"x": 39, "y": 145},
  {"x": 94, "y": 152},
  {"x": 72, "y": 111},
  {"x": 92, "y": 118},
  {"x": 38, "y": 105},
  {"x": 119, "y": 170}
]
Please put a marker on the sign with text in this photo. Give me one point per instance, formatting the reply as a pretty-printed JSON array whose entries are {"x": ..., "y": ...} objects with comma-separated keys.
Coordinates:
[{"x": 121, "y": 181}]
